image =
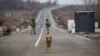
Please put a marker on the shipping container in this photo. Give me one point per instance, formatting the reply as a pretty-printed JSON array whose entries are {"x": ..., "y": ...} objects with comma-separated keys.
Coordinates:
[{"x": 84, "y": 21}]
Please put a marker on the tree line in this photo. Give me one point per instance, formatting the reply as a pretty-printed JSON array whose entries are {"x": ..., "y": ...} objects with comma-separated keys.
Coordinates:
[
  {"x": 95, "y": 6},
  {"x": 19, "y": 4}
]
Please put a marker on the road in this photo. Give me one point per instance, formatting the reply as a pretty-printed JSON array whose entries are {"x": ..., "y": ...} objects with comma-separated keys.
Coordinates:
[{"x": 63, "y": 44}]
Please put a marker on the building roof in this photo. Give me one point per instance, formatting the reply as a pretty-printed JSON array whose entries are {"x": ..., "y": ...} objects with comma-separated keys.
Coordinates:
[{"x": 83, "y": 11}]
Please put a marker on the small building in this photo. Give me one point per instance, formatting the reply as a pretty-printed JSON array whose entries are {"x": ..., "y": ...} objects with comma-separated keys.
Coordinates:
[
  {"x": 85, "y": 21},
  {"x": 71, "y": 26}
]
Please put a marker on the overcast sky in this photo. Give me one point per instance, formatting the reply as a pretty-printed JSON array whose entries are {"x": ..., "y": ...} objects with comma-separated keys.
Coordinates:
[
  {"x": 66, "y": 1},
  {"x": 63, "y": 1}
]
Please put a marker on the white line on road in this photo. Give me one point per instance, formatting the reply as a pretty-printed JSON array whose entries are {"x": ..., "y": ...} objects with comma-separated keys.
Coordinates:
[
  {"x": 24, "y": 30},
  {"x": 40, "y": 36},
  {"x": 82, "y": 37},
  {"x": 38, "y": 16},
  {"x": 37, "y": 42},
  {"x": 53, "y": 23}
]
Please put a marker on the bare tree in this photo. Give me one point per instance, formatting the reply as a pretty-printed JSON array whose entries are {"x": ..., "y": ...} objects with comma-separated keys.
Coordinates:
[
  {"x": 95, "y": 6},
  {"x": 86, "y": 4},
  {"x": 55, "y": 2},
  {"x": 1, "y": 18}
]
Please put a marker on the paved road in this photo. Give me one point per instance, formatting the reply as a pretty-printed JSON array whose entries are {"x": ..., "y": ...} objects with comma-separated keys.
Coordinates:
[{"x": 63, "y": 44}]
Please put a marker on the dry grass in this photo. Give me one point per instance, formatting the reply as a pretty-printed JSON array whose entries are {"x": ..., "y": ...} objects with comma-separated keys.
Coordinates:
[
  {"x": 63, "y": 16},
  {"x": 16, "y": 16}
]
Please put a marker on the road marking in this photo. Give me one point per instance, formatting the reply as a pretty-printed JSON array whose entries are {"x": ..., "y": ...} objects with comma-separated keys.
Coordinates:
[
  {"x": 82, "y": 37},
  {"x": 40, "y": 36},
  {"x": 53, "y": 24},
  {"x": 38, "y": 16},
  {"x": 24, "y": 30}
]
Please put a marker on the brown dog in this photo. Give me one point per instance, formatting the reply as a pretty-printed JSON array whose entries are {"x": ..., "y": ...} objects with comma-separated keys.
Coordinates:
[{"x": 48, "y": 43}]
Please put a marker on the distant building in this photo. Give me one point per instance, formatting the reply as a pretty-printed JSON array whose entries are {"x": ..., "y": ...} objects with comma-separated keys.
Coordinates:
[{"x": 84, "y": 21}]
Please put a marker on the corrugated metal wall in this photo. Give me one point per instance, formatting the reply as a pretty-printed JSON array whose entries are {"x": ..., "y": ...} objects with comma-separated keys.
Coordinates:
[{"x": 84, "y": 21}]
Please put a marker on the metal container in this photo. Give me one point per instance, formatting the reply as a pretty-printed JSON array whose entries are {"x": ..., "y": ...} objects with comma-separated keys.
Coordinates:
[{"x": 84, "y": 21}]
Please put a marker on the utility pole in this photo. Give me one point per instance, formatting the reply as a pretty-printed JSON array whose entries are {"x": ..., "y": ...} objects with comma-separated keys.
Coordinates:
[
  {"x": 1, "y": 18},
  {"x": 98, "y": 1},
  {"x": 1, "y": 22}
]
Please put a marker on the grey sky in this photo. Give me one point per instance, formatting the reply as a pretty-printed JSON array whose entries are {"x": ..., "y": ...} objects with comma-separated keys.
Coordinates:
[{"x": 66, "y": 1}]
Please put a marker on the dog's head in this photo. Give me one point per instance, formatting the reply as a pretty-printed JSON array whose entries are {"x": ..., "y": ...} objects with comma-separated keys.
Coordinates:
[{"x": 48, "y": 35}]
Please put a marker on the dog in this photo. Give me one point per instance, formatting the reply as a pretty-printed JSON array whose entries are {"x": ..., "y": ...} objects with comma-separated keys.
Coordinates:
[{"x": 48, "y": 42}]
